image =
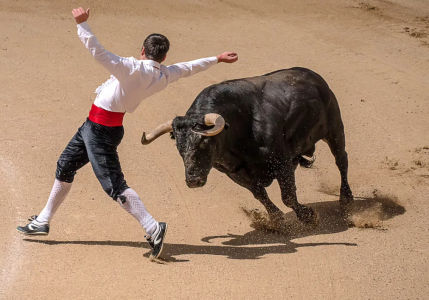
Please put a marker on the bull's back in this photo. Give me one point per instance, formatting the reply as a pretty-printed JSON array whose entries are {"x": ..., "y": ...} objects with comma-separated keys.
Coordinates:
[
  {"x": 279, "y": 87},
  {"x": 286, "y": 104},
  {"x": 292, "y": 85}
]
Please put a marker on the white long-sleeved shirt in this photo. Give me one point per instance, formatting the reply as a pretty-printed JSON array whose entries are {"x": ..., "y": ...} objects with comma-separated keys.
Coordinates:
[{"x": 134, "y": 80}]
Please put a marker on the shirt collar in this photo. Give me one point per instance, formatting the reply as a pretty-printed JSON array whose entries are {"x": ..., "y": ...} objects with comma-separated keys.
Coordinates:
[{"x": 152, "y": 63}]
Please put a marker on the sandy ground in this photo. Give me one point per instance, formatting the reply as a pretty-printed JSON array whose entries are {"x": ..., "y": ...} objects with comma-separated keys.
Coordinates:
[{"x": 375, "y": 57}]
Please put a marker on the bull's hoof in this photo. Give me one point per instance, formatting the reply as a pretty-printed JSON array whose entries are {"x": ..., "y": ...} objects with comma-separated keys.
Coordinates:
[
  {"x": 308, "y": 216},
  {"x": 347, "y": 208},
  {"x": 346, "y": 203},
  {"x": 276, "y": 217},
  {"x": 346, "y": 198}
]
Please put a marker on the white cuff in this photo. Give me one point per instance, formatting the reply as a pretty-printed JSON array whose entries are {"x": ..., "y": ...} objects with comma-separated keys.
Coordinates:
[
  {"x": 213, "y": 59},
  {"x": 83, "y": 26}
]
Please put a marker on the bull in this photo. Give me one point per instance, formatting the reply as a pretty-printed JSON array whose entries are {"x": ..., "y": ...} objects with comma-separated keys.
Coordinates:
[{"x": 259, "y": 129}]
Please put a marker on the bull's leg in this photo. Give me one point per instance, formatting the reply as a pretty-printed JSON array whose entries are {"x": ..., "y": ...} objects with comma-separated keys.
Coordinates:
[
  {"x": 258, "y": 192},
  {"x": 286, "y": 179},
  {"x": 337, "y": 145}
]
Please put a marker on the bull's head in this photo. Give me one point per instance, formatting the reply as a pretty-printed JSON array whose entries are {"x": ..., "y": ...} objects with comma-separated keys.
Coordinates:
[{"x": 193, "y": 142}]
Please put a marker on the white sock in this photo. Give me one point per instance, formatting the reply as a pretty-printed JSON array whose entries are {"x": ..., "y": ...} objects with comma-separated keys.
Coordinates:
[
  {"x": 57, "y": 196},
  {"x": 136, "y": 208}
]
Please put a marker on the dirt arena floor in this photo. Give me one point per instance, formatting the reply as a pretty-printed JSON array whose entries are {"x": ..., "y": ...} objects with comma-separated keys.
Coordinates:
[{"x": 373, "y": 54}]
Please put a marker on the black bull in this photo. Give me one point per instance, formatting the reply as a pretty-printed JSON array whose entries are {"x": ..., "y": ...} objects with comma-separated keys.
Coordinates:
[{"x": 263, "y": 126}]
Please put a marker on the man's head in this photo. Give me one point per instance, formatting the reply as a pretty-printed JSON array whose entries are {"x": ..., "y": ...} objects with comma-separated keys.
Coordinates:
[{"x": 155, "y": 47}]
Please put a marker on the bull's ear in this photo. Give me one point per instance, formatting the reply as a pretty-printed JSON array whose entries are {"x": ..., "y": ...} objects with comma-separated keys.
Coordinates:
[{"x": 172, "y": 136}]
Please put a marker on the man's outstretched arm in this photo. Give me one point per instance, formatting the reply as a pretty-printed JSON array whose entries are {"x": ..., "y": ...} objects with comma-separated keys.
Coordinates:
[
  {"x": 193, "y": 67},
  {"x": 118, "y": 66}
]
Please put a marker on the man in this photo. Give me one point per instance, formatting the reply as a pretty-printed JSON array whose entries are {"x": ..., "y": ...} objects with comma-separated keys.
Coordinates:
[{"x": 97, "y": 139}]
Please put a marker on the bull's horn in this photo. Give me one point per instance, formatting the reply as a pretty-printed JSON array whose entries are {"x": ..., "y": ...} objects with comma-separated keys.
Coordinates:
[
  {"x": 212, "y": 119},
  {"x": 157, "y": 132}
]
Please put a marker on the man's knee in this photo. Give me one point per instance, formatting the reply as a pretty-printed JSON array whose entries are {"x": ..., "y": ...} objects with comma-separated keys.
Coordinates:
[
  {"x": 65, "y": 172},
  {"x": 116, "y": 189}
]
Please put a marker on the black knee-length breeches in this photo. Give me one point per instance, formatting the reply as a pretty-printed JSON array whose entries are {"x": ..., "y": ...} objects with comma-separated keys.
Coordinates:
[{"x": 97, "y": 144}]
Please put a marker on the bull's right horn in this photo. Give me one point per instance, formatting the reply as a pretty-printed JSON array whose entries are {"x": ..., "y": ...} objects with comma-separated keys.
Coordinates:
[
  {"x": 212, "y": 119},
  {"x": 157, "y": 132}
]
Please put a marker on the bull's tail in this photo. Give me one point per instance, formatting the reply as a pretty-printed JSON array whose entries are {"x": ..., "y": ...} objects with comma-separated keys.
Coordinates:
[{"x": 306, "y": 162}]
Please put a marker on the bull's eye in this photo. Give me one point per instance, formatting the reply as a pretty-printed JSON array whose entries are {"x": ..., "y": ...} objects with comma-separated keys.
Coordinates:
[
  {"x": 198, "y": 127},
  {"x": 204, "y": 143},
  {"x": 182, "y": 147}
]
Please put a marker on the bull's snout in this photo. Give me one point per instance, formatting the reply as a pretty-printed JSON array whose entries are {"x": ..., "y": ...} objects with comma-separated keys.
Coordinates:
[
  {"x": 196, "y": 174},
  {"x": 196, "y": 182}
]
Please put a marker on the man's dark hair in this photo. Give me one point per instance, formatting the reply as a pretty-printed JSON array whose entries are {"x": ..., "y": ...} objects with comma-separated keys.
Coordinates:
[{"x": 156, "y": 47}]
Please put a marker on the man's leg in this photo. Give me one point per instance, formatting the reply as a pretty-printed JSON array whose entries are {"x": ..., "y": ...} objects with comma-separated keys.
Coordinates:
[
  {"x": 131, "y": 202},
  {"x": 156, "y": 231},
  {"x": 57, "y": 196},
  {"x": 102, "y": 143},
  {"x": 72, "y": 159}
]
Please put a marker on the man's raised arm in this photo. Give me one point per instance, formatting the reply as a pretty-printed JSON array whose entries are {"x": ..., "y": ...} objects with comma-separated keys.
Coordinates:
[
  {"x": 118, "y": 66},
  {"x": 193, "y": 67}
]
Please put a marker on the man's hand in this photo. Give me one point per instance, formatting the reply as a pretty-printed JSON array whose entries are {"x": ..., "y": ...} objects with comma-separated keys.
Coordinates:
[
  {"x": 227, "y": 57},
  {"x": 80, "y": 15}
]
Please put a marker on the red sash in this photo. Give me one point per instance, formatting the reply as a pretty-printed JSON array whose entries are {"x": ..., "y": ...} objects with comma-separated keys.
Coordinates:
[{"x": 105, "y": 117}]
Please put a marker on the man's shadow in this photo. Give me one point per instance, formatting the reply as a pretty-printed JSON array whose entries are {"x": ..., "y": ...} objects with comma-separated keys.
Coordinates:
[{"x": 266, "y": 238}]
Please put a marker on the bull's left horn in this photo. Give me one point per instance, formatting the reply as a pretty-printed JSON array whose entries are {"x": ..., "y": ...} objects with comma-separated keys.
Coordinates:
[
  {"x": 212, "y": 119},
  {"x": 157, "y": 132}
]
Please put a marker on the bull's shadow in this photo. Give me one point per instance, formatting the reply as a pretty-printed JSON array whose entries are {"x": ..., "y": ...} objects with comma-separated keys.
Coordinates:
[{"x": 264, "y": 239}]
